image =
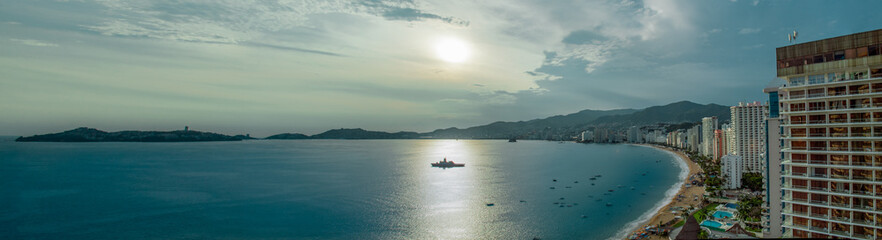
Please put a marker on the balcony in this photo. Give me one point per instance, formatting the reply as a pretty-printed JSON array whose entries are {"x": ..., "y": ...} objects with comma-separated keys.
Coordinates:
[
  {"x": 839, "y": 204},
  {"x": 838, "y": 232},
  {"x": 819, "y": 229},
  {"x": 840, "y": 190}
]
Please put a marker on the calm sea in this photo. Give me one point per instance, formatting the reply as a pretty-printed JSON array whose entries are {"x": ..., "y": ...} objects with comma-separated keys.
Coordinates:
[{"x": 327, "y": 189}]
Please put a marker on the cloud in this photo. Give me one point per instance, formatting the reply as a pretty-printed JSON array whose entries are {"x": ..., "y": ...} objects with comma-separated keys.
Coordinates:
[
  {"x": 303, "y": 50},
  {"x": 233, "y": 22},
  {"x": 749, "y": 30},
  {"x": 411, "y": 15},
  {"x": 756, "y": 2},
  {"x": 33, "y": 43},
  {"x": 583, "y": 37}
]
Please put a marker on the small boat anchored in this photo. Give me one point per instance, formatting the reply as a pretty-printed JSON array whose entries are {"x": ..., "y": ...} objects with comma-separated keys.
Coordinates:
[{"x": 447, "y": 164}]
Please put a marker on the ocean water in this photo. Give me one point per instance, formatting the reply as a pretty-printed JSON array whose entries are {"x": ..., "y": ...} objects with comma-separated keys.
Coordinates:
[{"x": 327, "y": 189}]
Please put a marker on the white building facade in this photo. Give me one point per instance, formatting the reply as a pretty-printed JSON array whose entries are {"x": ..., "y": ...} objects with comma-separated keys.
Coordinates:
[
  {"x": 731, "y": 167},
  {"x": 708, "y": 125},
  {"x": 748, "y": 124}
]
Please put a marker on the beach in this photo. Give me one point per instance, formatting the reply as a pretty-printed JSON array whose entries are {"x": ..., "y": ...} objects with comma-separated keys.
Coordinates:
[{"x": 666, "y": 213}]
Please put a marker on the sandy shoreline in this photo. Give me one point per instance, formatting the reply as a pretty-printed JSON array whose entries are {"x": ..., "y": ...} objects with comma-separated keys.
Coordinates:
[{"x": 664, "y": 214}]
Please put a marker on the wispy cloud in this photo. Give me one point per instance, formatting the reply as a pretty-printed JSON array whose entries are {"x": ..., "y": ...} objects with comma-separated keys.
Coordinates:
[
  {"x": 240, "y": 21},
  {"x": 749, "y": 30},
  {"x": 34, "y": 43}
]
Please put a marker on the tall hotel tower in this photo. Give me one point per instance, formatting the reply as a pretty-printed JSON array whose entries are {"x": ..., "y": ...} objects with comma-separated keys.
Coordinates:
[
  {"x": 832, "y": 137},
  {"x": 748, "y": 121}
]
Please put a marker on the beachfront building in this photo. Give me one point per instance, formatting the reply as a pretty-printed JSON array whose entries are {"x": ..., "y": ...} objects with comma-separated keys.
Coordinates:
[
  {"x": 832, "y": 137},
  {"x": 694, "y": 138},
  {"x": 729, "y": 134},
  {"x": 772, "y": 206},
  {"x": 731, "y": 167},
  {"x": 601, "y": 135},
  {"x": 708, "y": 125},
  {"x": 748, "y": 123},
  {"x": 635, "y": 135},
  {"x": 719, "y": 144},
  {"x": 586, "y": 135},
  {"x": 656, "y": 137}
]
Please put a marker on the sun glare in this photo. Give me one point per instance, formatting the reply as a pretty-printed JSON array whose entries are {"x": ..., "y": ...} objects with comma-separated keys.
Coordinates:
[{"x": 452, "y": 50}]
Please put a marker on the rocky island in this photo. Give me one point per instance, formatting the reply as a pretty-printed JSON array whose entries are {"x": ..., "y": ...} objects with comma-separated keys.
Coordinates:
[{"x": 84, "y": 134}]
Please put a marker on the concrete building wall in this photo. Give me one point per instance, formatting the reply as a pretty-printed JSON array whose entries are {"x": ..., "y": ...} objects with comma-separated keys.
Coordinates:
[
  {"x": 708, "y": 125},
  {"x": 731, "y": 167},
  {"x": 749, "y": 127}
]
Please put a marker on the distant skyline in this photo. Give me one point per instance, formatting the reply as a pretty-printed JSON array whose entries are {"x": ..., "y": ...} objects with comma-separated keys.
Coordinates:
[{"x": 266, "y": 67}]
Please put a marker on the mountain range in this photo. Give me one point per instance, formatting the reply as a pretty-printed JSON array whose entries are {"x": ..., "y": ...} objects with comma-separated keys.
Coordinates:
[{"x": 561, "y": 127}]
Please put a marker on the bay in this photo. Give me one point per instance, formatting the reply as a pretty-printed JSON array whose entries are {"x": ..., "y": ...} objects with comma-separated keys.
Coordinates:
[{"x": 327, "y": 189}]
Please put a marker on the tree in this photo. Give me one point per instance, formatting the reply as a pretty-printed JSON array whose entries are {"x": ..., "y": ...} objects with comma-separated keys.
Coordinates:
[
  {"x": 752, "y": 181},
  {"x": 750, "y": 208}
]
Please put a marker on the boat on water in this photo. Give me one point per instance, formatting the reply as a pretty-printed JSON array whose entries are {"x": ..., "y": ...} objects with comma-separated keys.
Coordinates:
[
  {"x": 512, "y": 140},
  {"x": 447, "y": 164}
]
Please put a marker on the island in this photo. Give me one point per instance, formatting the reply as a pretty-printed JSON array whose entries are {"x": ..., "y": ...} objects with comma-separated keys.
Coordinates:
[{"x": 85, "y": 134}]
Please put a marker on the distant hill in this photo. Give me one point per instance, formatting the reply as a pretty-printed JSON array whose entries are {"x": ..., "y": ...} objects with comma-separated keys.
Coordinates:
[
  {"x": 533, "y": 129},
  {"x": 84, "y": 134},
  {"x": 677, "y": 112},
  {"x": 358, "y": 133},
  {"x": 288, "y": 136}
]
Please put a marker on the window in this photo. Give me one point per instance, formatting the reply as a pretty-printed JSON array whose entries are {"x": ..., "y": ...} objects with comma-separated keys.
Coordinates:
[
  {"x": 816, "y": 106},
  {"x": 838, "y": 118},
  {"x": 797, "y": 81},
  {"x": 841, "y": 104},
  {"x": 816, "y": 79},
  {"x": 873, "y": 50},
  {"x": 838, "y": 132},
  {"x": 835, "y": 91},
  {"x": 797, "y": 132},
  {"x": 859, "y": 89},
  {"x": 860, "y": 131},
  {"x": 862, "y": 52},
  {"x": 817, "y": 92},
  {"x": 817, "y": 132},
  {"x": 850, "y": 53},
  {"x": 860, "y": 117},
  {"x": 877, "y": 72},
  {"x": 838, "y": 55},
  {"x": 818, "y": 59}
]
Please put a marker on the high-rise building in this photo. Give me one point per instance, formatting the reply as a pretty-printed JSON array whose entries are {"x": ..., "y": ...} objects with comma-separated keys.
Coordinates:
[
  {"x": 749, "y": 126},
  {"x": 832, "y": 137},
  {"x": 772, "y": 206},
  {"x": 635, "y": 135},
  {"x": 694, "y": 138},
  {"x": 731, "y": 167},
  {"x": 719, "y": 144},
  {"x": 708, "y": 125},
  {"x": 729, "y": 134}
]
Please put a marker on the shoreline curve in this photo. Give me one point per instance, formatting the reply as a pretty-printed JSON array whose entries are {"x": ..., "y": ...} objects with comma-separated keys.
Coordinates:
[{"x": 677, "y": 188}]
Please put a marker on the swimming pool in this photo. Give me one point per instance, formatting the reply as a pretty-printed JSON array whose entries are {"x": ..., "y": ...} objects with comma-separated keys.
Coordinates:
[
  {"x": 732, "y": 205},
  {"x": 722, "y": 214},
  {"x": 709, "y": 223}
]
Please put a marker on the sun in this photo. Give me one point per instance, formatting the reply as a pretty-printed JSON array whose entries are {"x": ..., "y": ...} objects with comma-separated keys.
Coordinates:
[{"x": 452, "y": 50}]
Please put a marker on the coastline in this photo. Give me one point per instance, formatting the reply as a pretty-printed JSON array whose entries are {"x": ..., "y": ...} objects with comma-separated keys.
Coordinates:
[{"x": 660, "y": 212}]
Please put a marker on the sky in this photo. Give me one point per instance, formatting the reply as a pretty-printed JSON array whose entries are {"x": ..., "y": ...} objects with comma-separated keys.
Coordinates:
[{"x": 267, "y": 67}]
